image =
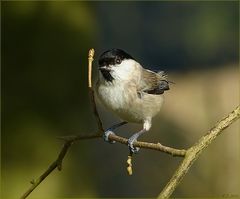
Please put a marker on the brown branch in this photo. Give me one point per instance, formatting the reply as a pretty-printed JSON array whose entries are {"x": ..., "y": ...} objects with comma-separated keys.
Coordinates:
[
  {"x": 57, "y": 164},
  {"x": 194, "y": 152},
  {"x": 148, "y": 145},
  {"x": 69, "y": 140},
  {"x": 91, "y": 91},
  {"x": 122, "y": 140}
]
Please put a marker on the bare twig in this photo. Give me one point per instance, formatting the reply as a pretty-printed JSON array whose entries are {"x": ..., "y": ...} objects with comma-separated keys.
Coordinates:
[
  {"x": 194, "y": 152},
  {"x": 91, "y": 91},
  {"x": 57, "y": 163},
  {"x": 90, "y": 60},
  {"x": 148, "y": 145},
  {"x": 122, "y": 140}
]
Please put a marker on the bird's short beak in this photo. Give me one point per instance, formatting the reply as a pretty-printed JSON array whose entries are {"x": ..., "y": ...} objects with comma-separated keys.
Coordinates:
[{"x": 104, "y": 68}]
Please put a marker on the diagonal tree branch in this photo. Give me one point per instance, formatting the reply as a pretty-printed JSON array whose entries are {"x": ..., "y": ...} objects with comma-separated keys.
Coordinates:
[
  {"x": 194, "y": 152},
  {"x": 57, "y": 164},
  {"x": 69, "y": 140}
]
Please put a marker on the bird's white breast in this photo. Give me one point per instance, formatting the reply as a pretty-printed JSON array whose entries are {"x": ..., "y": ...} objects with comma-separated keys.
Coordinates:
[
  {"x": 116, "y": 98},
  {"x": 123, "y": 100}
]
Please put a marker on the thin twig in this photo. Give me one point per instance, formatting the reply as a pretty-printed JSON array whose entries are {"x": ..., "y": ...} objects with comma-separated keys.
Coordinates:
[
  {"x": 148, "y": 145},
  {"x": 57, "y": 164},
  {"x": 122, "y": 140},
  {"x": 90, "y": 60},
  {"x": 194, "y": 152},
  {"x": 91, "y": 91},
  {"x": 69, "y": 140}
]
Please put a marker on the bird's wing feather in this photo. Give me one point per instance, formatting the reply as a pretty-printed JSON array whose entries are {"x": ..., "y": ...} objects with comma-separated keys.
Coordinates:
[{"x": 153, "y": 83}]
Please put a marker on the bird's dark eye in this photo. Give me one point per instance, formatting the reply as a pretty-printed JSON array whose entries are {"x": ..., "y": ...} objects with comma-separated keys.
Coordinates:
[{"x": 118, "y": 61}]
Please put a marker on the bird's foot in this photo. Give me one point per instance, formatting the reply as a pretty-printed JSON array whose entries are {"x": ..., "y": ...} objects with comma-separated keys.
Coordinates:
[
  {"x": 106, "y": 136},
  {"x": 132, "y": 148}
]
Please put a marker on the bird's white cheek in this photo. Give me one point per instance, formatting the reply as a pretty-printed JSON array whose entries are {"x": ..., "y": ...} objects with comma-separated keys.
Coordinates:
[{"x": 122, "y": 72}]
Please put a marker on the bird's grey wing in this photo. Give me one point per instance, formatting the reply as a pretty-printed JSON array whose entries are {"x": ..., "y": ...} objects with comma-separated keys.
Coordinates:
[{"x": 153, "y": 83}]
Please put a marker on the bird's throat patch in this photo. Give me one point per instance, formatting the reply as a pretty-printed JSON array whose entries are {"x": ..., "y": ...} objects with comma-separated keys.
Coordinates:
[{"x": 107, "y": 76}]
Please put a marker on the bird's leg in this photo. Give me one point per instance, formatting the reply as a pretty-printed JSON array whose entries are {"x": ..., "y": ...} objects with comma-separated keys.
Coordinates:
[
  {"x": 110, "y": 131},
  {"x": 132, "y": 139},
  {"x": 146, "y": 126}
]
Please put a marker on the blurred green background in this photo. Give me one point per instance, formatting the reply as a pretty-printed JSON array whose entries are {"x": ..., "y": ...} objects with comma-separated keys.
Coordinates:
[{"x": 44, "y": 95}]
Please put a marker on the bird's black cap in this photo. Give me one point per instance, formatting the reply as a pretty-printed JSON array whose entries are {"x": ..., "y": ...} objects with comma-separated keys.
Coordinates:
[{"x": 113, "y": 56}]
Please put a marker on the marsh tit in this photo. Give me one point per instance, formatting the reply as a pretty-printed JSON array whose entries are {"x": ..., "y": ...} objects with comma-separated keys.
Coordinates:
[{"x": 131, "y": 92}]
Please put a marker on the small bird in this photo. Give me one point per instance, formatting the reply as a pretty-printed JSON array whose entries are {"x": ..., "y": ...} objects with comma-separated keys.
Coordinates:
[{"x": 131, "y": 92}]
